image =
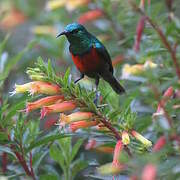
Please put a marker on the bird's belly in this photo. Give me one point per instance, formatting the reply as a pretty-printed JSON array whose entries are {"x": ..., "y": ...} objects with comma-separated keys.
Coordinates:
[{"x": 87, "y": 63}]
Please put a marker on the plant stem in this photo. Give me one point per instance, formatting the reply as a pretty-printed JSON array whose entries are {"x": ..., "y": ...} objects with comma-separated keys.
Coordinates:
[{"x": 161, "y": 35}]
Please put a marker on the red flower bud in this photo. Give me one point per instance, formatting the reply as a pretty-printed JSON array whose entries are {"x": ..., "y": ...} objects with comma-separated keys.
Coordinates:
[
  {"x": 161, "y": 142},
  {"x": 117, "y": 151},
  {"x": 90, "y": 16},
  {"x": 149, "y": 172},
  {"x": 139, "y": 31},
  {"x": 167, "y": 94}
]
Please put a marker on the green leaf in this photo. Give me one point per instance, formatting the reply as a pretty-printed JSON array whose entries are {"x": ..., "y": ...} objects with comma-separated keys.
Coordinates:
[
  {"x": 77, "y": 167},
  {"x": 12, "y": 62},
  {"x": 48, "y": 177},
  {"x": 45, "y": 140},
  {"x": 65, "y": 145},
  {"x": 3, "y": 136},
  {"x": 57, "y": 156},
  {"x": 7, "y": 150},
  {"x": 66, "y": 77},
  {"x": 75, "y": 148},
  {"x": 3, "y": 43}
]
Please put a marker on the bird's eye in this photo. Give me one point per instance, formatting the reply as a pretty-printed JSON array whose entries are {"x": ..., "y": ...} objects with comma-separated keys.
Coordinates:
[{"x": 75, "y": 31}]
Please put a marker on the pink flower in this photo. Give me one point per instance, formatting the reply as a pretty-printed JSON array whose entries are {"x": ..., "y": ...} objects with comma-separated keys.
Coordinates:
[
  {"x": 149, "y": 172},
  {"x": 30, "y": 106},
  {"x": 58, "y": 107}
]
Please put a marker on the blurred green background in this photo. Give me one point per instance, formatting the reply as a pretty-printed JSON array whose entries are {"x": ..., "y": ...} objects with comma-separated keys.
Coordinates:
[{"x": 28, "y": 29}]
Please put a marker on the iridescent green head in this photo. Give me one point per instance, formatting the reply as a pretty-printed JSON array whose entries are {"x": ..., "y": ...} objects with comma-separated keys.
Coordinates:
[{"x": 78, "y": 37}]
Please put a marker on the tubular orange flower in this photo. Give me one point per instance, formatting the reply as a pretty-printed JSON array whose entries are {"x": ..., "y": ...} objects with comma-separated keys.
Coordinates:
[
  {"x": 40, "y": 87},
  {"x": 149, "y": 172},
  {"x": 82, "y": 124},
  {"x": 37, "y": 87},
  {"x": 125, "y": 138},
  {"x": 161, "y": 142},
  {"x": 141, "y": 138},
  {"x": 105, "y": 149},
  {"x": 30, "y": 106},
  {"x": 117, "y": 151},
  {"x": 58, "y": 107},
  {"x": 90, "y": 16},
  {"x": 77, "y": 116}
]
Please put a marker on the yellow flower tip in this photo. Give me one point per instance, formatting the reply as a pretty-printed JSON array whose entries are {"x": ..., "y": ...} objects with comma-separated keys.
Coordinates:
[
  {"x": 23, "y": 88},
  {"x": 54, "y": 4},
  {"x": 141, "y": 138},
  {"x": 44, "y": 29},
  {"x": 110, "y": 169},
  {"x": 82, "y": 124},
  {"x": 74, "y": 4},
  {"x": 150, "y": 64},
  {"x": 30, "y": 106},
  {"x": 58, "y": 107},
  {"x": 125, "y": 138},
  {"x": 40, "y": 87}
]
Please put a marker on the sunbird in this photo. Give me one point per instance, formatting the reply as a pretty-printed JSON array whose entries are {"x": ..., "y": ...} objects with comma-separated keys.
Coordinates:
[{"x": 90, "y": 56}]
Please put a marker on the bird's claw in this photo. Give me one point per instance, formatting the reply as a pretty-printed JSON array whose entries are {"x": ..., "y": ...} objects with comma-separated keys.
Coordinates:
[{"x": 97, "y": 98}]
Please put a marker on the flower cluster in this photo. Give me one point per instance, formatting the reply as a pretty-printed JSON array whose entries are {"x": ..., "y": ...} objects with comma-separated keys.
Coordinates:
[{"x": 74, "y": 115}]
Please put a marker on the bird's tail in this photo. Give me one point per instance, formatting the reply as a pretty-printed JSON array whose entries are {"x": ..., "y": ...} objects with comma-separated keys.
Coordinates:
[{"x": 114, "y": 83}]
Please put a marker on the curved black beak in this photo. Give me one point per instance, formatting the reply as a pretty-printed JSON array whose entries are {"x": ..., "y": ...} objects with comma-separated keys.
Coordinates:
[{"x": 62, "y": 33}]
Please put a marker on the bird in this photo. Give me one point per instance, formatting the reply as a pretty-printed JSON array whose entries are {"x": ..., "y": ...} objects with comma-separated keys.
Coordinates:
[{"x": 90, "y": 56}]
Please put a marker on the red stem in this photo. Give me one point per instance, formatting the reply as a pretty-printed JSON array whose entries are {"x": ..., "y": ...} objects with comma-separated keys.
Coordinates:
[
  {"x": 162, "y": 37},
  {"x": 4, "y": 162},
  {"x": 31, "y": 167}
]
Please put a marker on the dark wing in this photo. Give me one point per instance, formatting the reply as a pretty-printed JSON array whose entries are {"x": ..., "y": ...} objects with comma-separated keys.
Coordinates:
[{"x": 104, "y": 54}]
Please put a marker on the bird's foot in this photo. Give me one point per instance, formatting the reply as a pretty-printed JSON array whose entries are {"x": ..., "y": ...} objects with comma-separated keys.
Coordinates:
[{"x": 97, "y": 98}]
